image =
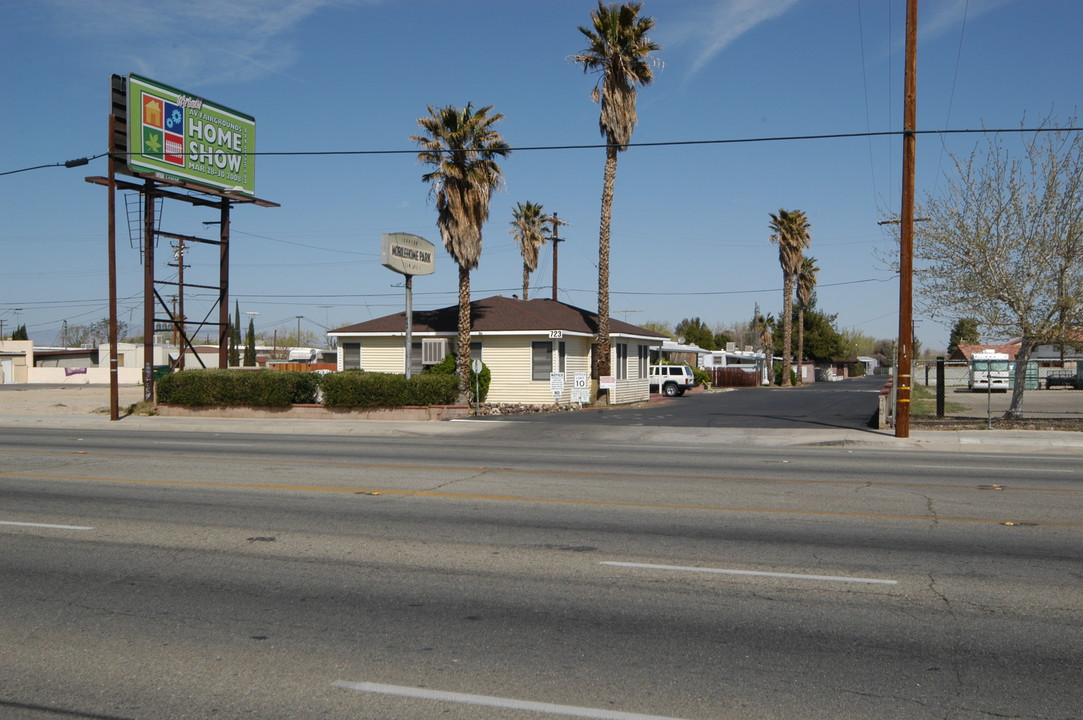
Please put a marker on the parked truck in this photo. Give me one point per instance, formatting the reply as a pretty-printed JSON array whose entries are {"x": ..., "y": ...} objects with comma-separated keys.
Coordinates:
[{"x": 990, "y": 371}]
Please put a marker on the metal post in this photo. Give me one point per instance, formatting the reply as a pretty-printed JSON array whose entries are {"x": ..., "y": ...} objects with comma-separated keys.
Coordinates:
[
  {"x": 940, "y": 386},
  {"x": 148, "y": 291},
  {"x": 114, "y": 385},
  {"x": 906, "y": 245},
  {"x": 223, "y": 286},
  {"x": 409, "y": 324}
]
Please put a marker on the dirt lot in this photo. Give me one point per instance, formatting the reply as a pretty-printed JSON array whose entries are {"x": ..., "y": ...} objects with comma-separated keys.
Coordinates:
[{"x": 63, "y": 399}]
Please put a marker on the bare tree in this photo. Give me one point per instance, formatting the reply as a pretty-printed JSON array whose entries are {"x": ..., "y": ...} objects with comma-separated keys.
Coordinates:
[{"x": 1004, "y": 242}]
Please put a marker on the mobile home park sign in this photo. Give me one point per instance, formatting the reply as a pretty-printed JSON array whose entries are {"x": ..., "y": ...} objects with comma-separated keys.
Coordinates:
[
  {"x": 407, "y": 254},
  {"x": 177, "y": 136}
]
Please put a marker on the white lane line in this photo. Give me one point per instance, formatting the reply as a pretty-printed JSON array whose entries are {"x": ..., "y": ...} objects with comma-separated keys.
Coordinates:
[
  {"x": 756, "y": 573},
  {"x": 498, "y": 702},
  {"x": 44, "y": 525}
]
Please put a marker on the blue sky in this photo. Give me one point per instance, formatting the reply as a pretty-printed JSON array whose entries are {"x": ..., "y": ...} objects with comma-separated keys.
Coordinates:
[{"x": 690, "y": 234}]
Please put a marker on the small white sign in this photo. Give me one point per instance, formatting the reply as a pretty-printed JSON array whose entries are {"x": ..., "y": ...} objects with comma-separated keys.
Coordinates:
[
  {"x": 579, "y": 381},
  {"x": 475, "y": 365},
  {"x": 556, "y": 334},
  {"x": 556, "y": 384},
  {"x": 607, "y": 382}
]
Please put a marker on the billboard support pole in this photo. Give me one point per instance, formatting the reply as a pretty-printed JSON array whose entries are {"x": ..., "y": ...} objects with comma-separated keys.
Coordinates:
[
  {"x": 114, "y": 386},
  {"x": 223, "y": 286},
  {"x": 148, "y": 291}
]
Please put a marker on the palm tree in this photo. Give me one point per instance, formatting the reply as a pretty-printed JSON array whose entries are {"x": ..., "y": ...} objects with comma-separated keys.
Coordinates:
[
  {"x": 529, "y": 230},
  {"x": 806, "y": 281},
  {"x": 619, "y": 50},
  {"x": 790, "y": 232},
  {"x": 762, "y": 331},
  {"x": 461, "y": 147}
]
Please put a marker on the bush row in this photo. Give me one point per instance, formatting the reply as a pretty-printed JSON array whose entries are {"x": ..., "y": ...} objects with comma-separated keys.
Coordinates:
[
  {"x": 276, "y": 388},
  {"x": 263, "y": 388}
]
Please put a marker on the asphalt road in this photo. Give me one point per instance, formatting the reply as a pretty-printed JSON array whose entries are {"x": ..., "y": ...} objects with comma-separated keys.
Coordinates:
[
  {"x": 849, "y": 404},
  {"x": 204, "y": 575}
]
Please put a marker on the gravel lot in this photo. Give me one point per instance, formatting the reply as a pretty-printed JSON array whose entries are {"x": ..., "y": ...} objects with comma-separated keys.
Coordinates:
[{"x": 63, "y": 399}]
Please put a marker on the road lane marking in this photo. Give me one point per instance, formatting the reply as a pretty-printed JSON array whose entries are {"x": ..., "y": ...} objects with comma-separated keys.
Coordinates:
[
  {"x": 45, "y": 525},
  {"x": 755, "y": 573},
  {"x": 263, "y": 462},
  {"x": 491, "y": 701},
  {"x": 527, "y": 499}
]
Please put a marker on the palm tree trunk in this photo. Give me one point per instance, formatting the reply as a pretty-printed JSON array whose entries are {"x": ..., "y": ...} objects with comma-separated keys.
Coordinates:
[
  {"x": 801, "y": 341},
  {"x": 787, "y": 330},
  {"x": 604, "y": 345},
  {"x": 526, "y": 279},
  {"x": 464, "y": 336}
]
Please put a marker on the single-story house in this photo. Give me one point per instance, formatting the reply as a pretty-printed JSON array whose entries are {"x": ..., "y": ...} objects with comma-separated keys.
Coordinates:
[{"x": 534, "y": 349}]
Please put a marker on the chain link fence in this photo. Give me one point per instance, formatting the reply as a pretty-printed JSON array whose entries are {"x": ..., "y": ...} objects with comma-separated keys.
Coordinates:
[{"x": 1053, "y": 390}]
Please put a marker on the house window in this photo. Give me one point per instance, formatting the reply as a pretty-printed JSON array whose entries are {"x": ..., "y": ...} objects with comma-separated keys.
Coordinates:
[
  {"x": 541, "y": 360},
  {"x": 644, "y": 361},
  {"x": 351, "y": 356},
  {"x": 562, "y": 357},
  {"x": 622, "y": 361}
]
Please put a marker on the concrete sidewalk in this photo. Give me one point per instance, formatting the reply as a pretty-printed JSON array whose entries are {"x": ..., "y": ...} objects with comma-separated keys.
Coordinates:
[{"x": 87, "y": 407}]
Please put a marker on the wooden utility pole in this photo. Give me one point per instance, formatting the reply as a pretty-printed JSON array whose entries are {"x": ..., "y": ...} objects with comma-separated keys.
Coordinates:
[
  {"x": 556, "y": 240},
  {"x": 906, "y": 235}
]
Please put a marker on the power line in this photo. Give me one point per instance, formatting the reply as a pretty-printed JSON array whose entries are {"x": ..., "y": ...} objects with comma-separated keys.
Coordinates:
[{"x": 596, "y": 146}]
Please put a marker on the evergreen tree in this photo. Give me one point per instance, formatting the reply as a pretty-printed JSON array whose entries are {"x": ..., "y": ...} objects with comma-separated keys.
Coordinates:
[{"x": 250, "y": 345}]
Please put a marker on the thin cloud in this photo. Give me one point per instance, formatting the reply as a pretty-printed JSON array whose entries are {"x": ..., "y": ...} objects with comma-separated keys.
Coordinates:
[
  {"x": 724, "y": 24},
  {"x": 947, "y": 15},
  {"x": 197, "y": 41}
]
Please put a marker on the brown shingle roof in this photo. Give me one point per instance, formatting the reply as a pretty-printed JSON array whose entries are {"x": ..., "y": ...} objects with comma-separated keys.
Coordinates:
[{"x": 501, "y": 314}]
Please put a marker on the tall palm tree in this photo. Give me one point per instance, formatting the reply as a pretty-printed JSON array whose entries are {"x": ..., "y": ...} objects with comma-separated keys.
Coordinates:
[
  {"x": 762, "y": 328},
  {"x": 789, "y": 230},
  {"x": 806, "y": 282},
  {"x": 619, "y": 50},
  {"x": 528, "y": 227},
  {"x": 461, "y": 147}
]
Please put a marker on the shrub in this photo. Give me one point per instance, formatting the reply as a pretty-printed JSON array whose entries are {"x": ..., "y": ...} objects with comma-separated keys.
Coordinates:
[
  {"x": 260, "y": 388},
  {"x": 702, "y": 377},
  {"x": 362, "y": 389},
  {"x": 480, "y": 381},
  {"x": 857, "y": 369}
]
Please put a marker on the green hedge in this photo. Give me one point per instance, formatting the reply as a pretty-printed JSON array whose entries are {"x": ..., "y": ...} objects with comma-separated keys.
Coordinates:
[
  {"x": 278, "y": 388},
  {"x": 261, "y": 388},
  {"x": 479, "y": 382},
  {"x": 365, "y": 389}
]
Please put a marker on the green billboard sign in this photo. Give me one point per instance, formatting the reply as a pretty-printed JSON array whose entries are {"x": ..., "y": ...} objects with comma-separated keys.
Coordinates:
[{"x": 179, "y": 137}]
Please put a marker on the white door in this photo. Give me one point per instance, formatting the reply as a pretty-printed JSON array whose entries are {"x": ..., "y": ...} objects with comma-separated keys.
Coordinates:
[{"x": 6, "y": 372}]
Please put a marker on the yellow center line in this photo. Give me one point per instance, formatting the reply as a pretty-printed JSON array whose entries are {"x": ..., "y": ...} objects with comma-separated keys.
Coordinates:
[{"x": 524, "y": 499}]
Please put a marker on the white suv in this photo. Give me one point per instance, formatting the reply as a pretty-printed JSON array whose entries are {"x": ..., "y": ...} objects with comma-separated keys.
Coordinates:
[{"x": 672, "y": 379}]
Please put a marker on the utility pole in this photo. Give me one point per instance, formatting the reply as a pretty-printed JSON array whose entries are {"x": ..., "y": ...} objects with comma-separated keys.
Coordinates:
[
  {"x": 906, "y": 235},
  {"x": 299, "y": 329},
  {"x": 557, "y": 222}
]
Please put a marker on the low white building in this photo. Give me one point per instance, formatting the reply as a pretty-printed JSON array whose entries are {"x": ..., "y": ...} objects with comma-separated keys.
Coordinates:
[{"x": 535, "y": 349}]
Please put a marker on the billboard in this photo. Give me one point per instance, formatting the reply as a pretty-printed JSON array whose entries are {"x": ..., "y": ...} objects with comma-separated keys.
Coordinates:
[{"x": 176, "y": 136}]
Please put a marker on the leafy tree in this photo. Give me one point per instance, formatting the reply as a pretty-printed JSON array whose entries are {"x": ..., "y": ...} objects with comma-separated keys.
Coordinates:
[
  {"x": 695, "y": 331},
  {"x": 884, "y": 352},
  {"x": 964, "y": 332},
  {"x": 618, "y": 49},
  {"x": 662, "y": 328},
  {"x": 823, "y": 341},
  {"x": 20, "y": 333},
  {"x": 1004, "y": 242},
  {"x": 721, "y": 339},
  {"x": 806, "y": 283},
  {"x": 528, "y": 227},
  {"x": 789, "y": 230},
  {"x": 95, "y": 333},
  {"x": 461, "y": 147}
]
